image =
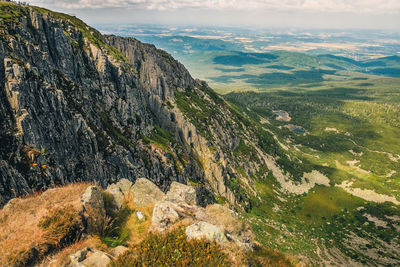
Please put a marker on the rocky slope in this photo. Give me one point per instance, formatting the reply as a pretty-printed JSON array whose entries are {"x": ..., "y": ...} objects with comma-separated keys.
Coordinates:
[
  {"x": 63, "y": 226},
  {"x": 79, "y": 106}
]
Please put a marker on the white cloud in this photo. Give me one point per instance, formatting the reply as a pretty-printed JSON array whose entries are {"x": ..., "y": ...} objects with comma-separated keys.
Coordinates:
[{"x": 351, "y": 6}]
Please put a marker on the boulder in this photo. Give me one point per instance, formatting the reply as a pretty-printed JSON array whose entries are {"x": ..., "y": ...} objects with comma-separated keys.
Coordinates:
[
  {"x": 79, "y": 256},
  {"x": 118, "y": 251},
  {"x": 93, "y": 210},
  {"x": 117, "y": 194},
  {"x": 96, "y": 258},
  {"x": 180, "y": 193},
  {"x": 145, "y": 192},
  {"x": 205, "y": 230},
  {"x": 119, "y": 191},
  {"x": 89, "y": 257},
  {"x": 164, "y": 216}
]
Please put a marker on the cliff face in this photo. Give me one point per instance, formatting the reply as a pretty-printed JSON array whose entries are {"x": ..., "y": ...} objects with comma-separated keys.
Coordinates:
[
  {"x": 79, "y": 106},
  {"x": 73, "y": 109}
]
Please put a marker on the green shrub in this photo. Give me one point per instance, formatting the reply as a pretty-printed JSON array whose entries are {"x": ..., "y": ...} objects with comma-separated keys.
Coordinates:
[{"x": 173, "y": 249}]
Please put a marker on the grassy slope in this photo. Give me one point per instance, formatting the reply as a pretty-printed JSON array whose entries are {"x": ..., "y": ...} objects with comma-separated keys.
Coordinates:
[
  {"x": 365, "y": 115},
  {"x": 21, "y": 236}
]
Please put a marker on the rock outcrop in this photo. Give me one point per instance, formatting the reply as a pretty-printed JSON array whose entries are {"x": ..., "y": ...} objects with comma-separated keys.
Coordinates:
[
  {"x": 180, "y": 193},
  {"x": 120, "y": 191},
  {"x": 145, "y": 192},
  {"x": 164, "y": 216},
  {"x": 205, "y": 230},
  {"x": 93, "y": 211}
]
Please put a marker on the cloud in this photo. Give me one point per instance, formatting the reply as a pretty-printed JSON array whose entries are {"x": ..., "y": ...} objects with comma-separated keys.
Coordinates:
[{"x": 349, "y": 6}]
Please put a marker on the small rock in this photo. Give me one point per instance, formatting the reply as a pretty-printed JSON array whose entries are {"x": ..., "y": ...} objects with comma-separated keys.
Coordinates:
[
  {"x": 179, "y": 193},
  {"x": 163, "y": 216},
  {"x": 146, "y": 192},
  {"x": 93, "y": 209},
  {"x": 97, "y": 258},
  {"x": 79, "y": 256},
  {"x": 140, "y": 215},
  {"x": 205, "y": 230},
  {"x": 118, "y": 251}
]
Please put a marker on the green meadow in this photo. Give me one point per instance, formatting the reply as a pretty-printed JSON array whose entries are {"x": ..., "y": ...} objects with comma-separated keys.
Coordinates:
[{"x": 351, "y": 117}]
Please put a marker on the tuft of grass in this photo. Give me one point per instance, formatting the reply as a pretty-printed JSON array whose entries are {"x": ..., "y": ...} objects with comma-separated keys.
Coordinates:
[
  {"x": 114, "y": 233},
  {"x": 62, "y": 226},
  {"x": 173, "y": 249}
]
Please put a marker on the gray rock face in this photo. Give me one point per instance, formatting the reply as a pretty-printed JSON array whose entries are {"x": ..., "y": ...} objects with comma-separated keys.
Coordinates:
[
  {"x": 84, "y": 112},
  {"x": 164, "y": 215},
  {"x": 180, "y": 193},
  {"x": 145, "y": 192},
  {"x": 93, "y": 209},
  {"x": 74, "y": 108},
  {"x": 205, "y": 230}
]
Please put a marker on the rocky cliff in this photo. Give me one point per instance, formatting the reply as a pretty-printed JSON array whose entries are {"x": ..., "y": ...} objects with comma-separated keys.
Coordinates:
[{"x": 79, "y": 106}]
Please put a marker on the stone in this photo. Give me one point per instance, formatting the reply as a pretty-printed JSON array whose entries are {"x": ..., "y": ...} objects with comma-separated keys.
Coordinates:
[
  {"x": 164, "y": 216},
  {"x": 205, "y": 230},
  {"x": 79, "y": 256},
  {"x": 125, "y": 185},
  {"x": 96, "y": 259},
  {"x": 145, "y": 192},
  {"x": 180, "y": 193},
  {"x": 140, "y": 215},
  {"x": 119, "y": 191},
  {"x": 118, "y": 251},
  {"x": 93, "y": 209},
  {"x": 117, "y": 194}
]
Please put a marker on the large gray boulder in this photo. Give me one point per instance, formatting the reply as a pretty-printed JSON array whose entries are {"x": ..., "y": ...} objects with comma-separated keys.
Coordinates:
[
  {"x": 146, "y": 193},
  {"x": 93, "y": 210},
  {"x": 164, "y": 215},
  {"x": 205, "y": 230},
  {"x": 180, "y": 193},
  {"x": 119, "y": 191}
]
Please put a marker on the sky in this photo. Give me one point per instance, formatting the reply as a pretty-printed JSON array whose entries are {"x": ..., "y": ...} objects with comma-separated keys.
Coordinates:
[{"x": 335, "y": 14}]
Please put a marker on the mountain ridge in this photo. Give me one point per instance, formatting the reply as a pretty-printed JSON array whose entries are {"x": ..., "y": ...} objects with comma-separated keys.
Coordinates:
[{"x": 116, "y": 105}]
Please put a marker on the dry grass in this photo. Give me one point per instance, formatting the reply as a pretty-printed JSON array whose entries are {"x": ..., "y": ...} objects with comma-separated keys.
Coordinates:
[
  {"x": 62, "y": 257},
  {"x": 20, "y": 236},
  {"x": 138, "y": 229}
]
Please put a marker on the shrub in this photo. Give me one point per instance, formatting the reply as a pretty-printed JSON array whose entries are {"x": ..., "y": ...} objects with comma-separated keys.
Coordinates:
[{"x": 173, "y": 249}]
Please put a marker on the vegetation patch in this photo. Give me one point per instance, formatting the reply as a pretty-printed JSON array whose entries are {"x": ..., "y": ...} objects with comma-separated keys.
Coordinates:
[
  {"x": 62, "y": 226},
  {"x": 173, "y": 249}
]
